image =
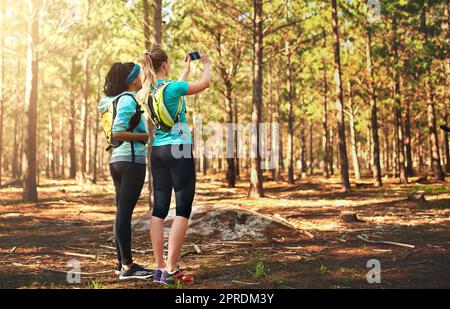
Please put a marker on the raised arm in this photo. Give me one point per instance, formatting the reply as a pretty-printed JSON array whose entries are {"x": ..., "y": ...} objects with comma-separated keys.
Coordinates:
[
  {"x": 187, "y": 69},
  {"x": 203, "y": 83}
]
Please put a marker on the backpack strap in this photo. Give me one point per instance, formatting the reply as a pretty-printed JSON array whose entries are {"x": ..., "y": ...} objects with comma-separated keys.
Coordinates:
[
  {"x": 133, "y": 126},
  {"x": 163, "y": 85}
]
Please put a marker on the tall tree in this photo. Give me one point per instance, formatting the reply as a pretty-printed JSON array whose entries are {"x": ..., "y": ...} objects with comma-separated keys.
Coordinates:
[
  {"x": 31, "y": 99},
  {"x": 157, "y": 21},
  {"x": 2, "y": 81},
  {"x": 431, "y": 110},
  {"x": 398, "y": 106},
  {"x": 343, "y": 158},
  {"x": 72, "y": 117},
  {"x": 85, "y": 106},
  {"x": 256, "y": 179},
  {"x": 290, "y": 100},
  {"x": 373, "y": 113},
  {"x": 325, "y": 129},
  {"x": 146, "y": 10}
]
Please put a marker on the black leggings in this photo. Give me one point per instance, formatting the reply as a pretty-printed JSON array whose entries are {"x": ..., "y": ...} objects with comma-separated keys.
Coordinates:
[
  {"x": 128, "y": 180},
  {"x": 176, "y": 173}
]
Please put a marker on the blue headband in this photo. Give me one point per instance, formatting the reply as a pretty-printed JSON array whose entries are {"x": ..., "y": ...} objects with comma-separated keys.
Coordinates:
[{"x": 133, "y": 74}]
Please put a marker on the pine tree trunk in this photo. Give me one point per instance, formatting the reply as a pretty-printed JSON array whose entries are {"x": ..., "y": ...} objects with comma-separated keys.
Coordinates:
[
  {"x": 408, "y": 149},
  {"x": 73, "y": 115},
  {"x": 256, "y": 180},
  {"x": 62, "y": 160},
  {"x": 331, "y": 151},
  {"x": 446, "y": 143},
  {"x": 157, "y": 21},
  {"x": 276, "y": 119},
  {"x": 436, "y": 167},
  {"x": 343, "y": 159},
  {"x": 435, "y": 158},
  {"x": 353, "y": 145},
  {"x": 18, "y": 111},
  {"x": 2, "y": 83},
  {"x": 85, "y": 106},
  {"x": 146, "y": 9},
  {"x": 303, "y": 148},
  {"x": 31, "y": 98},
  {"x": 51, "y": 136},
  {"x": 231, "y": 169},
  {"x": 325, "y": 129},
  {"x": 398, "y": 110},
  {"x": 311, "y": 149},
  {"x": 96, "y": 132},
  {"x": 157, "y": 35},
  {"x": 236, "y": 141},
  {"x": 375, "y": 149},
  {"x": 290, "y": 99}
]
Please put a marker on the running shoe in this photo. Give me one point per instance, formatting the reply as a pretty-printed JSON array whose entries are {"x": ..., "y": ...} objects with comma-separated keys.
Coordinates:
[
  {"x": 176, "y": 277},
  {"x": 136, "y": 272}
]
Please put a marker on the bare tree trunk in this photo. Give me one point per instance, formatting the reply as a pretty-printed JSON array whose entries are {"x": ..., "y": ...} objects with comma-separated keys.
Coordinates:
[
  {"x": 236, "y": 142},
  {"x": 62, "y": 160},
  {"x": 438, "y": 172},
  {"x": 303, "y": 147},
  {"x": 2, "y": 83},
  {"x": 345, "y": 179},
  {"x": 373, "y": 115},
  {"x": 146, "y": 8},
  {"x": 446, "y": 143},
  {"x": 408, "y": 149},
  {"x": 311, "y": 149},
  {"x": 85, "y": 106},
  {"x": 354, "y": 150},
  {"x": 435, "y": 157},
  {"x": 398, "y": 110},
  {"x": 31, "y": 98},
  {"x": 446, "y": 94},
  {"x": 325, "y": 129},
  {"x": 256, "y": 179},
  {"x": 157, "y": 21},
  {"x": 331, "y": 151},
  {"x": 17, "y": 124},
  {"x": 231, "y": 169},
  {"x": 96, "y": 133},
  {"x": 157, "y": 34},
  {"x": 420, "y": 151},
  {"x": 73, "y": 114},
  {"x": 51, "y": 137},
  {"x": 276, "y": 119},
  {"x": 290, "y": 99}
]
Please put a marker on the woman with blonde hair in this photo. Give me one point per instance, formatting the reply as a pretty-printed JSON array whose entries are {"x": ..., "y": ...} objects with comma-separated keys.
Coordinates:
[{"x": 171, "y": 171}]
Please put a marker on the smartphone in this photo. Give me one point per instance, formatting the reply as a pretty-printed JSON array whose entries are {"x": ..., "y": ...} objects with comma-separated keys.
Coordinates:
[{"x": 194, "y": 55}]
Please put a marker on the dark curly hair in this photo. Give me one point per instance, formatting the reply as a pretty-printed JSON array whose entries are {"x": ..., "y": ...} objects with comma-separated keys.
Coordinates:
[{"x": 115, "y": 81}]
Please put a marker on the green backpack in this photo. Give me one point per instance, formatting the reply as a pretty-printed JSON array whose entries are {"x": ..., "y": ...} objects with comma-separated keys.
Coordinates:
[
  {"x": 107, "y": 121},
  {"x": 157, "y": 110}
]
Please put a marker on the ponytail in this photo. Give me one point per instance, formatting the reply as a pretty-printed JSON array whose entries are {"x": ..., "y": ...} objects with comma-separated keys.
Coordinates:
[{"x": 152, "y": 62}]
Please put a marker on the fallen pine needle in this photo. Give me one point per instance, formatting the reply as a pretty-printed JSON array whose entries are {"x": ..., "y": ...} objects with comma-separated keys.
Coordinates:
[
  {"x": 89, "y": 256},
  {"x": 385, "y": 242},
  {"x": 246, "y": 283}
]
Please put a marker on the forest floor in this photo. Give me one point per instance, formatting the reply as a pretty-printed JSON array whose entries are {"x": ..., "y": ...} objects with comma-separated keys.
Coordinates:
[{"x": 313, "y": 248}]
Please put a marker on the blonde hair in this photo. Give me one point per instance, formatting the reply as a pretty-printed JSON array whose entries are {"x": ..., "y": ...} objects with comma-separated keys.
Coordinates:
[{"x": 151, "y": 63}]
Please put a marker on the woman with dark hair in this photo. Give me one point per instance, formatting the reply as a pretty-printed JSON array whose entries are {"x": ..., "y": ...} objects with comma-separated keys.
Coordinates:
[
  {"x": 128, "y": 158},
  {"x": 169, "y": 170}
]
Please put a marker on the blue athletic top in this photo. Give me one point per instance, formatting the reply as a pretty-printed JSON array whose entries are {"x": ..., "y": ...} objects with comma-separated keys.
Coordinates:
[
  {"x": 180, "y": 134},
  {"x": 126, "y": 108}
]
